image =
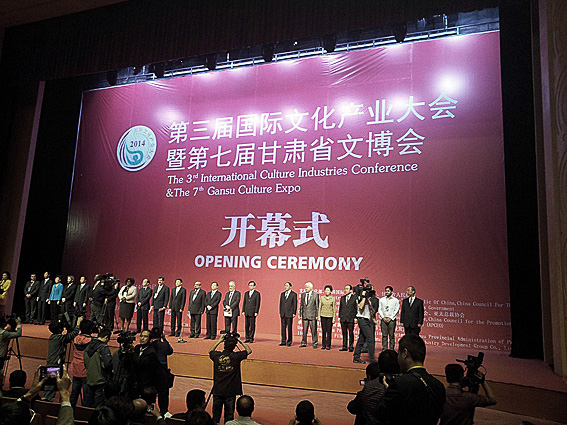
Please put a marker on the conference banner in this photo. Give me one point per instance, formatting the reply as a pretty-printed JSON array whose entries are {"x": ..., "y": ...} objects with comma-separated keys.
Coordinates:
[{"x": 386, "y": 163}]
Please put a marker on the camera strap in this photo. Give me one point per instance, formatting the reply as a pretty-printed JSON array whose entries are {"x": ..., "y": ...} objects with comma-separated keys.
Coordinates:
[{"x": 429, "y": 390}]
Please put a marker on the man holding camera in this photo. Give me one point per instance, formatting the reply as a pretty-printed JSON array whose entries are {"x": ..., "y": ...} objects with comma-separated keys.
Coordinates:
[
  {"x": 366, "y": 318},
  {"x": 460, "y": 405},
  {"x": 6, "y": 334},
  {"x": 226, "y": 375}
]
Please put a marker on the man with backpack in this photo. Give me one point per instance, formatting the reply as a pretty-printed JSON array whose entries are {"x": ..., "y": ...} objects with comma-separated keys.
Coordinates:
[{"x": 98, "y": 363}]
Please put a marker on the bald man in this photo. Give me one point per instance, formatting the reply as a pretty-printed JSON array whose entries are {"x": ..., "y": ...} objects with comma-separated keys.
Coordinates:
[{"x": 308, "y": 311}]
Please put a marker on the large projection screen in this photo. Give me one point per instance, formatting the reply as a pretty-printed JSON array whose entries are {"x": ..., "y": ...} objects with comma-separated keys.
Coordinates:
[{"x": 386, "y": 163}]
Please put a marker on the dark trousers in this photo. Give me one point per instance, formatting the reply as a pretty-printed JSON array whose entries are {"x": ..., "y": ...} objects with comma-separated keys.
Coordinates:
[
  {"x": 366, "y": 335},
  {"x": 231, "y": 321},
  {"x": 250, "y": 327},
  {"x": 159, "y": 317},
  {"x": 327, "y": 330},
  {"x": 212, "y": 325},
  {"x": 109, "y": 312},
  {"x": 163, "y": 400},
  {"x": 78, "y": 385},
  {"x": 68, "y": 307},
  {"x": 388, "y": 330},
  {"x": 412, "y": 331},
  {"x": 228, "y": 402},
  {"x": 176, "y": 319},
  {"x": 94, "y": 397},
  {"x": 80, "y": 310},
  {"x": 142, "y": 320},
  {"x": 96, "y": 313},
  {"x": 310, "y": 324},
  {"x": 348, "y": 334},
  {"x": 41, "y": 312},
  {"x": 54, "y": 307},
  {"x": 31, "y": 308},
  {"x": 287, "y": 323},
  {"x": 195, "y": 325}
]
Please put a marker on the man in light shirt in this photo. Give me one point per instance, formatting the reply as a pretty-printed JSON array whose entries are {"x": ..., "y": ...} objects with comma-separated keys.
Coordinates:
[{"x": 388, "y": 308}]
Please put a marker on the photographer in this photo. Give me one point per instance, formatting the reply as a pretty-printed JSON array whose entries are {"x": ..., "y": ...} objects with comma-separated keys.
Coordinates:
[
  {"x": 111, "y": 294},
  {"x": 164, "y": 379},
  {"x": 122, "y": 364},
  {"x": 226, "y": 375},
  {"x": 77, "y": 367},
  {"x": 98, "y": 363},
  {"x": 460, "y": 405},
  {"x": 6, "y": 334},
  {"x": 366, "y": 318}
]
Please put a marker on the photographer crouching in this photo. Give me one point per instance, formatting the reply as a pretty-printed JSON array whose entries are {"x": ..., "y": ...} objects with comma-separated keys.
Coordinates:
[
  {"x": 10, "y": 328},
  {"x": 227, "y": 380},
  {"x": 366, "y": 318}
]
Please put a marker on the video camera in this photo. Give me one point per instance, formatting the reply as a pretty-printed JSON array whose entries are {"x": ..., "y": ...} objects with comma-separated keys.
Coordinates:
[
  {"x": 109, "y": 279},
  {"x": 473, "y": 378},
  {"x": 366, "y": 287},
  {"x": 11, "y": 320},
  {"x": 126, "y": 339}
]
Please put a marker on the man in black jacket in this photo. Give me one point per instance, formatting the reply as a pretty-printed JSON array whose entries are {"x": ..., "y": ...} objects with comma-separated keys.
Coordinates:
[
  {"x": 159, "y": 303},
  {"x": 96, "y": 297},
  {"x": 98, "y": 363},
  {"x": 416, "y": 397},
  {"x": 30, "y": 291},
  {"x": 231, "y": 305},
  {"x": 196, "y": 309},
  {"x": 143, "y": 298},
  {"x": 212, "y": 301},
  {"x": 42, "y": 297},
  {"x": 81, "y": 300},
  {"x": 412, "y": 313},
  {"x": 250, "y": 309},
  {"x": 68, "y": 297},
  {"x": 288, "y": 310},
  {"x": 176, "y": 305},
  {"x": 347, "y": 314}
]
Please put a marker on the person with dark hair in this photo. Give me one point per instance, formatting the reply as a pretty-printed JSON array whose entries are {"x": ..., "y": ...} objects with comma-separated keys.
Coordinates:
[
  {"x": 17, "y": 384},
  {"x": 412, "y": 313},
  {"x": 43, "y": 297},
  {"x": 288, "y": 310},
  {"x": 159, "y": 302},
  {"x": 5, "y": 283},
  {"x": 388, "y": 308},
  {"x": 81, "y": 300},
  {"x": 226, "y": 375},
  {"x": 415, "y": 397},
  {"x": 127, "y": 297},
  {"x": 68, "y": 296},
  {"x": 107, "y": 415},
  {"x": 195, "y": 399},
  {"x": 15, "y": 413},
  {"x": 149, "y": 393},
  {"x": 162, "y": 374},
  {"x": 30, "y": 300},
  {"x": 98, "y": 364},
  {"x": 96, "y": 297},
  {"x": 199, "y": 417},
  {"x": 327, "y": 316},
  {"x": 250, "y": 310},
  {"x": 304, "y": 414},
  {"x": 365, "y": 404},
  {"x": 366, "y": 317},
  {"x": 54, "y": 300},
  {"x": 212, "y": 301},
  {"x": 77, "y": 367},
  {"x": 244, "y": 407},
  {"x": 109, "y": 308},
  {"x": 347, "y": 315},
  {"x": 177, "y": 304},
  {"x": 460, "y": 405},
  {"x": 6, "y": 334},
  {"x": 143, "y": 299}
]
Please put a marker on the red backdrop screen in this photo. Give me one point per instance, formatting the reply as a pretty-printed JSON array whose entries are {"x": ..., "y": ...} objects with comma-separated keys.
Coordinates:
[{"x": 386, "y": 163}]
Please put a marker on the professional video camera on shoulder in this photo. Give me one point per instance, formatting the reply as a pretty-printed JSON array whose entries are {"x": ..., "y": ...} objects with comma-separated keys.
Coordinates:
[
  {"x": 364, "y": 287},
  {"x": 109, "y": 279},
  {"x": 473, "y": 378},
  {"x": 126, "y": 338}
]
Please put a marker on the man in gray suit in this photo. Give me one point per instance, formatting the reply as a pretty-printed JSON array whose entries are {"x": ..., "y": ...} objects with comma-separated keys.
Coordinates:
[{"x": 308, "y": 311}]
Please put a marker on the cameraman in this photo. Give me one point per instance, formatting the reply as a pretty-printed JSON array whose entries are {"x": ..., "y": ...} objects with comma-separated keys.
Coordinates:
[
  {"x": 6, "y": 334},
  {"x": 459, "y": 404},
  {"x": 366, "y": 318},
  {"x": 227, "y": 380},
  {"x": 122, "y": 364}
]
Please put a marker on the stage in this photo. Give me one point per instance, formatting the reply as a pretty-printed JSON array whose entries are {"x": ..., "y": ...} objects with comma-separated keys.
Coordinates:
[{"x": 527, "y": 387}]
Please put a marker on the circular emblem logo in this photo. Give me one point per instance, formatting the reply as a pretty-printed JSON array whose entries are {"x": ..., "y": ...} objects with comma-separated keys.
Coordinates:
[{"x": 136, "y": 148}]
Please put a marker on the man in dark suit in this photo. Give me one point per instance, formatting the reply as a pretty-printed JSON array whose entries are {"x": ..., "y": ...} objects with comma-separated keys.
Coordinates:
[
  {"x": 31, "y": 290},
  {"x": 82, "y": 297},
  {"x": 212, "y": 301},
  {"x": 415, "y": 397},
  {"x": 196, "y": 309},
  {"x": 176, "y": 305},
  {"x": 288, "y": 310},
  {"x": 68, "y": 297},
  {"x": 96, "y": 297},
  {"x": 42, "y": 297},
  {"x": 231, "y": 305},
  {"x": 250, "y": 309},
  {"x": 143, "y": 298},
  {"x": 412, "y": 313},
  {"x": 159, "y": 303},
  {"x": 347, "y": 314},
  {"x": 308, "y": 310}
]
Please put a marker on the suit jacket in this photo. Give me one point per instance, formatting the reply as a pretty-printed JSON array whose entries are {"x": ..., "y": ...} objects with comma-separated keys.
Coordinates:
[
  {"x": 288, "y": 308},
  {"x": 409, "y": 401},
  {"x": 98, "y": 293},
  {"x": 347, "y": 311},
  {"x": 32, "y": 288},
  {"x": 177, "y": 302},
  {"x": 143, "y": 297},
  {"x": 161, "y": 298},
  {"x": 311, "y": 310},
  {"x": 412, "y": 316},
  {"x": 213, "y": 301},
  {"x": 69, "y": 293},
  {"x": 82, "y": 295},
  {"x": 234, "y": 304},
  {"x": 45, "y": 289},
  {"x": 197, "y": 306},
  {"x": 251, "y": 304}
]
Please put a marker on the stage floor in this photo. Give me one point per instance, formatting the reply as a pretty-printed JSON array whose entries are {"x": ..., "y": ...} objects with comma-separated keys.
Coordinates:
[{"x": 499, "y": 366}]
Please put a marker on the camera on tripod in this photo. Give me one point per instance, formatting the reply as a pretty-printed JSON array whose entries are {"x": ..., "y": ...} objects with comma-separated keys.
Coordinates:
[
  {"x": 366, "y": 287},
  {"x": 11, "y": 320},
  {"x": 473, "y": 378}
]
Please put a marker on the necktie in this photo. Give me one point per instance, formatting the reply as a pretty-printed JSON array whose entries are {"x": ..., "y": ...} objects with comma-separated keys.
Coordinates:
[
  {"x": 347, "y": 298},
  {"x": 286, "y": 295},
  {"x": 410, "y": 301}
]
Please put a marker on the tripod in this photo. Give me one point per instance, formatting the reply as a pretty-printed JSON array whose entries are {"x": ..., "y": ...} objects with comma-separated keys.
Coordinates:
[{"x": 11, "y": 353}]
